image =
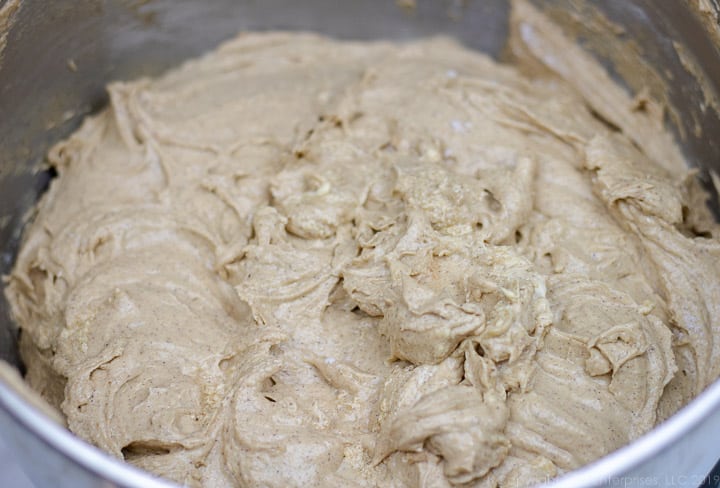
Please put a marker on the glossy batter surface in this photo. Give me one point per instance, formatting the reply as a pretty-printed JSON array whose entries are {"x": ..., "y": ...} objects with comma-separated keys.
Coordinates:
[{"x": 305, "y": 262}]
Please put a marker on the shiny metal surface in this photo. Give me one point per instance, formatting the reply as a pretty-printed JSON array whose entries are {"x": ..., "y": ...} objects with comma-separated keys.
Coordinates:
[
  {"x": 10, "y": 472},
  {"x": 43, "y": 100}
]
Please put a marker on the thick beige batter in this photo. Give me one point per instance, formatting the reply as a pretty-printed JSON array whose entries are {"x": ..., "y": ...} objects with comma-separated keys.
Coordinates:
[{"x": 304, "y": 262}]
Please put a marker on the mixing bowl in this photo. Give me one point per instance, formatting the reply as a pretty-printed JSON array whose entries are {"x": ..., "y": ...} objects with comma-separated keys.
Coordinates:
[{"x": 56, "y": 57}]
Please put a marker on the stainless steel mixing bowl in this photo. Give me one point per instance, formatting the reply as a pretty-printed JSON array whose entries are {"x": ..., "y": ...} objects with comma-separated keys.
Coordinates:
[{"x": 61, "y": 53}]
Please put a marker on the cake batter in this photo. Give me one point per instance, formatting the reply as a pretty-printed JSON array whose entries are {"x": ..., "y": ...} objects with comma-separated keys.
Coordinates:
[{"x": 299, "y": 261}]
